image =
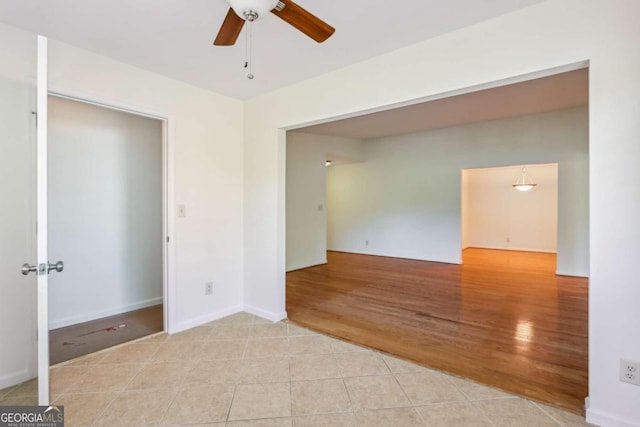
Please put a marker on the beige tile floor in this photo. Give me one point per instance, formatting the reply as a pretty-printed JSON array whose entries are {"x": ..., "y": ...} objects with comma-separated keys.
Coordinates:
[{"x": 245, "y": 371}]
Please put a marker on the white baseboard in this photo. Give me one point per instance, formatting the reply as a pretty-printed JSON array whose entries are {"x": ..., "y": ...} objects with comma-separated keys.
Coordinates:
[
  {"x": 14, "y": 378},
  {"x": 457, "y": 261},
  {"x": 87, "y": 317},
  {"x": 511, "y": 248},
  {"x": 301, "y": 266},
  {"x": 210, "y": 317},
  {"x": 269, "y": 315},
  {"x": 201, "y": 320},
  {"x": 608, "y": 420},
  {"x": 572, "y": 273}
]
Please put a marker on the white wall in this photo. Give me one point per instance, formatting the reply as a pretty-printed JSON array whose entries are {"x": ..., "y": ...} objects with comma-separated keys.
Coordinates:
[
  {"x": 545, "y": 36},
  {"x": 105, "y": 211},
  {"x": 497, "y": 216},
  {"x": 17, "y": 214},
  {"x": 405, "y": 199},
  {"x": 306, "y": 193},
  {"x": 205, "y": 172}
]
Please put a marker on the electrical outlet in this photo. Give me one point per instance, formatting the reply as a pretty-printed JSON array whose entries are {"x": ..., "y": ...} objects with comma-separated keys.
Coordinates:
[
  {"x": 366, "y": 243},
  {"x": 630, "y": 372},
  {"x": 208, "y": 288}
]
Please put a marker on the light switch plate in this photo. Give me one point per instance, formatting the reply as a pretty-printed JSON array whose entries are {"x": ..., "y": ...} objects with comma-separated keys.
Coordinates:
[{"x": 182, "y": 211}]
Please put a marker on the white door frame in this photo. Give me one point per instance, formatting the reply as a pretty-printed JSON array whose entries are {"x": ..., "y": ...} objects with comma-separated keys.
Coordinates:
[{"x": 168, "y": 185}]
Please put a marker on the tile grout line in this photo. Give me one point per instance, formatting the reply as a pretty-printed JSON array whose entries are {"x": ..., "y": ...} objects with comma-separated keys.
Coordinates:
[
  {"x": 242, "y": 361},
  {"x": 344, "y": 384},
  {"x": 173, "y": 399},
  {"x": 474, "y": 404},
  {"x": 246, "y": 343},
  {"x": 353, "y": 408},
  {"x": 233, "y": 396},
  {"x": 289, "y": 363},
  {"x": 547, "y": 414},
  {"x": 404, "y": 393},
  {"x": 484, "y": 414},
  {"x": 175, "y": 395},
  {"x": 80, "y": 378},
  {"x": 104, "y": 409},
  {"x": 420, "y": 417}
]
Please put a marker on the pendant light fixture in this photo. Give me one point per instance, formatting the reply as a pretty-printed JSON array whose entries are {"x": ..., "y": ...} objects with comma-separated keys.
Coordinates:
[{"x": 524, "y": 183}]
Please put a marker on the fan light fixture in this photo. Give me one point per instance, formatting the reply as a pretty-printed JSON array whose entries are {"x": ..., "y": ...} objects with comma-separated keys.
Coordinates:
[
  {"x": 524, "y": 183},
  {"x": 252, "y": 9}
]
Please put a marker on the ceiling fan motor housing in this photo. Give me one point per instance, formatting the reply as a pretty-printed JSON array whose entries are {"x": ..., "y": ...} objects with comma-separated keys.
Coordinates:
[{"x": 252, "y": 9}]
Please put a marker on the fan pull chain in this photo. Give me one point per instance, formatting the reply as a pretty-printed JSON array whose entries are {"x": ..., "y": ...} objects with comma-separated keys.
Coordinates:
[{"x": 248, "y": 51}]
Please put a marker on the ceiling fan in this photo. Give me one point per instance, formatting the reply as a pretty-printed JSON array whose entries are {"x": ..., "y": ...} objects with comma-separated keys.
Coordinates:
[{"x": 250, "y": 10}]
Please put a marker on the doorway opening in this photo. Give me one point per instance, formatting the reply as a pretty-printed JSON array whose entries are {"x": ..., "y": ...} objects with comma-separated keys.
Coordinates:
[
  {"x": 389, "y": 273},
  {"x": 507, "y": 228},
  {"x": 107, "y": 188}
]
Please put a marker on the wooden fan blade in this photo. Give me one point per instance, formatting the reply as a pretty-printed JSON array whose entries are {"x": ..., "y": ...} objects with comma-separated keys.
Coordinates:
[
  {"x": 304, "y": 21},
  {"x": 230, "y": 29}
]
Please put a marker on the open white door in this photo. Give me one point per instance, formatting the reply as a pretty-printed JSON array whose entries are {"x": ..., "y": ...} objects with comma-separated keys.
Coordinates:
[
  {"x": 41, "y": 227},
  {"x": 24, "y": 331}
]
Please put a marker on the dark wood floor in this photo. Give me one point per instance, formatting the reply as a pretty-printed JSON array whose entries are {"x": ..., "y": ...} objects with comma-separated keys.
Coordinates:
[
  {"x": 502, "y": 318},
  {"x": 84, "y": 338}
]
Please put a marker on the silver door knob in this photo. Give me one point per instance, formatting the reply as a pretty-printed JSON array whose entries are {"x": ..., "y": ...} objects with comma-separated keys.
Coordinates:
[
  {"x": 26, "y": 268},
  {"x": 58, "y": 266}
]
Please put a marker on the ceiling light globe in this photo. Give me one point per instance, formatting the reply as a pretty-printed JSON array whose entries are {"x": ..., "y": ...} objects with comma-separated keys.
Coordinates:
[
  {"x": 261, "y": 7},
  {"x": 523, "y": 187}
]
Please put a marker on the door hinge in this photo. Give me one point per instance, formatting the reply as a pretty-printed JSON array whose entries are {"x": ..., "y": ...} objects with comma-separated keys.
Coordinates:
[
  {"x": 167, "y": 239},
  {"x": 35, "y": 114}
]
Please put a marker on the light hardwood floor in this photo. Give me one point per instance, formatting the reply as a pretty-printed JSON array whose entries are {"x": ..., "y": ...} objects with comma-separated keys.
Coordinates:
[{"x": 502, "y": 318}]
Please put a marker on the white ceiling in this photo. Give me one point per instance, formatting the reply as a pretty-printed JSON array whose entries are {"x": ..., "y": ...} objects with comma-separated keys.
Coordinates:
[
  {"x": 174, "y": 37},
  {"x": 565, "y": 90}
]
